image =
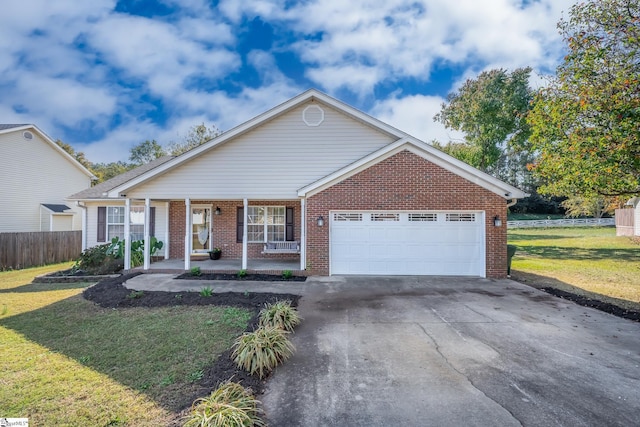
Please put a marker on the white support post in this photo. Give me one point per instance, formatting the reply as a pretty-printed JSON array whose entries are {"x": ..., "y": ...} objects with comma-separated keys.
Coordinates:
[
  {"x": 83, "y": 210},
  {"x": 245, "y": 234},
  {"x": 147, "y": 232},
  {"x": 127, "y": 234},
  {"x": 187, "y": 235},
  {"x": 303, "y": 234},
  {"x": 166, "y": 231}
]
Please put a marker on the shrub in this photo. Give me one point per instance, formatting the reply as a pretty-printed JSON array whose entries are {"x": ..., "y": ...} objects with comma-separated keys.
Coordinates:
[
  {"x": 195, "y": 271},
  {"x": 206, "y": 292},
  {"x": 242, "y": 274},
  {"x": 280, "y": 315},
  {"x": 98, "y": 260},
  {"x": 228, "y": 405},
  {"x": 260, "y": 351},
  {"x": 135, "y": 294},
  {"x": 287, "y": 274}
]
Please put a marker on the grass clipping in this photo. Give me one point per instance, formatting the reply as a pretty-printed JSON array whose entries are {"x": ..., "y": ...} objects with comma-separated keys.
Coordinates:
[{"x": 230, "y": 405}]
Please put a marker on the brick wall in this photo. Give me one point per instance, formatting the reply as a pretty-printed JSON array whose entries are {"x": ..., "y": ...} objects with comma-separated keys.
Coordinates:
[
  {"x": 406, "y": 181},
  {"x": 224, "y": 228}
]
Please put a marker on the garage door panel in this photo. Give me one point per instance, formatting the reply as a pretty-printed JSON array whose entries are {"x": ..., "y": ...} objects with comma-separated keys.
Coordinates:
[{"x": 407, "y": 247}]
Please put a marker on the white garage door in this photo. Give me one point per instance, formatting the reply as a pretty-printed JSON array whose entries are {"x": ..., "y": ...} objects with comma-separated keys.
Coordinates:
[{"x": 407, "y": 243}]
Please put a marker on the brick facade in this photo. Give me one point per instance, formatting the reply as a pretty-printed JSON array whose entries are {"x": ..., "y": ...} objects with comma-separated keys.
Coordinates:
[
  {"x": 406, "y": 181},
  {"x": 224, "y": 228}
]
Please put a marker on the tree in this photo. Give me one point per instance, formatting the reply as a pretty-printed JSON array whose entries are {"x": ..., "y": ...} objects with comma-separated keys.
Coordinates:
[
  {"x": 78, "y": 155},
  {"x": 105, "y": 171},
  {"x": 585, "y": 124},
  {"x": 146, "y": 152},
  {"x": 196, "y": 136},
  {"x": 491, "y": 112},
  {"x": 593, "y": 206}
]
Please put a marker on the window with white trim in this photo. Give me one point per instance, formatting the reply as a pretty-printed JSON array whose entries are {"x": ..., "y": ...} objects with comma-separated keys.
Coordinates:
[
  {"x": 266, "y": 224},
  {"x": 461, "y": 217},
  {"x": 385, "y": 217},
  {"x": 421, "y": 217},
  {"x": 116, "y": 218},
  {"x": 347, "y": 216}
]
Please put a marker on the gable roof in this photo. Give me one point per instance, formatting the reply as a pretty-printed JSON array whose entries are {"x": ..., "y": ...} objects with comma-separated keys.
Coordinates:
[
  {"x": 8, "y": 128},
  {"x": 425, "y": 151},
  {"x": 101, "y": 190},
  {"x": 402, "y": 138}
]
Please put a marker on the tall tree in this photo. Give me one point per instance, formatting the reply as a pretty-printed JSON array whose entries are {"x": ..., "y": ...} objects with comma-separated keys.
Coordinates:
[
  {"x": 491, "y": 111},
  {"x": 586, "y": 123},
  {"x": 196, "y": 135},
  {"x": 105, "y": 171},
  {"x": 78, "y": 155},
  {"x": 146, "y": 152}
]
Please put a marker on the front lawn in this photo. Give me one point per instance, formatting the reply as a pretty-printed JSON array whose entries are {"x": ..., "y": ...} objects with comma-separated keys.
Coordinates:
[
  {"x": 66, "y": 361},
  {"x": 583, "y": 260}
]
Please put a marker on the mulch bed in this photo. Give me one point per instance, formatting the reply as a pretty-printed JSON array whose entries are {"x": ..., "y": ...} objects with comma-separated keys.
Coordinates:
[
  {"x": 594, "y": 303},
  {"x": 110, "y": 293},
  {"x": 227, "y": 276}
]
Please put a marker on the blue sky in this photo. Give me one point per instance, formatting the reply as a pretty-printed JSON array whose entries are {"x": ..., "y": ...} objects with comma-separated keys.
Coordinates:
[{"x": 104, "y": 75}]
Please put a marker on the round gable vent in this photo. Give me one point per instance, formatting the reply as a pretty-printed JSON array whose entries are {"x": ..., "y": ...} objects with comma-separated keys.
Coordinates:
[
  {"x": 313, "y": 115},
  {"x": 27, "y": 135}
]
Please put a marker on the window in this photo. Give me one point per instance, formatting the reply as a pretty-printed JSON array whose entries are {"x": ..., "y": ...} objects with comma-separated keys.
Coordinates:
[
  {"x": 461, "y": 217},
  {"x": 413, "y": 217},
  {"x": 347, "y": 217},
  {"x": 115, "y": 222},
  {"x": 266, "y": 223},
  {"x": 385, "y": 217}
]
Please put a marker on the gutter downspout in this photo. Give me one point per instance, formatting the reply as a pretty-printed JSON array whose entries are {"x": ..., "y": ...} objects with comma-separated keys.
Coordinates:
[
  {"x": 82, "y": 206},
  {"x": 511, "y": 203}
]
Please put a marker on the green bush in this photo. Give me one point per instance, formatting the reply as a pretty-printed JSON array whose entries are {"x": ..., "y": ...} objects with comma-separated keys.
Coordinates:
[
  {"x": 230, "y": 405},
  {"x": 206, "y": 292},
  {"x": 242, "y": 274},
  {"x": 260, "y": 351},
  {"x": 287, "y": 274},
  {"x": 98, "y": 260},
  {"x": 280, "y": 315},
  {"x": 195, "y": 271}
]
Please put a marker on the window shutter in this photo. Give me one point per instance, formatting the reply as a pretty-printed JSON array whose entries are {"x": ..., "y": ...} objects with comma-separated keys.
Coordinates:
[
  {"x": 239, "y": 224},
  {"x": 102, "y": 224},
  {"x": 290, "y": 228},
  {"x": 152, "y": 222}
]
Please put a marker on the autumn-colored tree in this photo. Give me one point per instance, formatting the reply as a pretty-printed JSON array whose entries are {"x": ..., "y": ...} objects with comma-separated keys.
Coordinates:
[
  {"x": 196, "y": 136},
  {"x": 586, "y": 123},
  {"x": 491, "y": 111}
]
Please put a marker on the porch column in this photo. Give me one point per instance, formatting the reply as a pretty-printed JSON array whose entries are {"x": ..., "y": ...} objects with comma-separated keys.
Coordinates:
[
  {"x": 147, "y": 230},
  {"x": 245, "y": 234},
  {"x": 127, "y": 234},
  {"x": 303, "y": 234},
  {"x": 83, "y": 210},
  {"x": 166, "y": 231},
  {"x": 187, "y": 235}
]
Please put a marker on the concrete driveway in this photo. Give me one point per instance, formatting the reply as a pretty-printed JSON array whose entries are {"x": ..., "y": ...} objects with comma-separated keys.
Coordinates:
[{"x": 453, "y": 352}]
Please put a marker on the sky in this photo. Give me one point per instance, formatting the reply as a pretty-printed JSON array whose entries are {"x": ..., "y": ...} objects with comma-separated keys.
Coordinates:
[{"x": 105, "y": 75}]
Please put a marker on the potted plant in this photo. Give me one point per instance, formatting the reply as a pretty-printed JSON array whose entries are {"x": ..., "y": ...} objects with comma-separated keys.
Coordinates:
[{"x": 215, "y": 253}]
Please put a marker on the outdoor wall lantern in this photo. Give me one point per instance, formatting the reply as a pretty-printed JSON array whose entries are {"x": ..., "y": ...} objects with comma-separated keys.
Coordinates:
[
  {"x": 218, "y": 211},
  {"x": 497, "y": 221},
  {"x": 320, "y": 221}
]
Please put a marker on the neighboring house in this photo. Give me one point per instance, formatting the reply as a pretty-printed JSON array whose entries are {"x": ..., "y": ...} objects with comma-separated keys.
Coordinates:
[
  {"x": 318, "y": 181},
  {"x": 37, "y": 176}
]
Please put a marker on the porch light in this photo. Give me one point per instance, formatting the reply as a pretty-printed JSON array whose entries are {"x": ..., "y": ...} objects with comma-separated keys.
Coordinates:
[
  {"x": 218, "y": 211},
  {"x": 497, "y": 221},
  {"x": 320, "y": 221}
]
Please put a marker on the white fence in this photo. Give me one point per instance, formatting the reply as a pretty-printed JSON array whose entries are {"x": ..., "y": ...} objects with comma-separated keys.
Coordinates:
[{"x": 567, "y": 222}]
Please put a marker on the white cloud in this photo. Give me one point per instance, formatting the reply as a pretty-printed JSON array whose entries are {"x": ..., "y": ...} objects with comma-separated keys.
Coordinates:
[{"x": 414, "y": 115}]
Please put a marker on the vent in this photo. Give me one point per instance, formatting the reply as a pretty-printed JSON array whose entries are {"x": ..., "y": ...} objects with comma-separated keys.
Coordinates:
[
  {"x": 27, "y": 135},
  {"x": 313, "y": 115},
  {"x": 347, "y": 217}
]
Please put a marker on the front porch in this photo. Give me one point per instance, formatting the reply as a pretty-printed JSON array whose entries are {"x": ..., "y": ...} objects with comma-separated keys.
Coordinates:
[{"x": 267, "y": 266}]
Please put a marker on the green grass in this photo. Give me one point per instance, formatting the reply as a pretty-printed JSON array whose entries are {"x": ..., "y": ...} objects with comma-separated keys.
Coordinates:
[
  {"x": 589, "y": 261},
  {"x": 65, "y": 361}
]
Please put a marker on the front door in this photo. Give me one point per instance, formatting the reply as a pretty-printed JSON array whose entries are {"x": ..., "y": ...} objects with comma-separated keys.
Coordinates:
[{"x": 201, "y": 229}]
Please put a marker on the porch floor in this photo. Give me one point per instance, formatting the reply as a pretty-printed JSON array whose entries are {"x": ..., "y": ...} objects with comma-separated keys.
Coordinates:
[{"x": 225, "y": 265}]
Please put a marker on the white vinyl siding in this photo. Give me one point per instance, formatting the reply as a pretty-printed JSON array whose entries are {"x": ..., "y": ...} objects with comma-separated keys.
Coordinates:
[
  {"x": 33, "y": 172},
  {"x": 272, "y": 161}
]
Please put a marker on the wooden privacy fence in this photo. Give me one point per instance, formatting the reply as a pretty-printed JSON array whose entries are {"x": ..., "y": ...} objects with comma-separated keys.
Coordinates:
[
  {"x": 22, "y": 250},
  {"x": 624, "y": 222},
  {"x": 566, "y": 222}
]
